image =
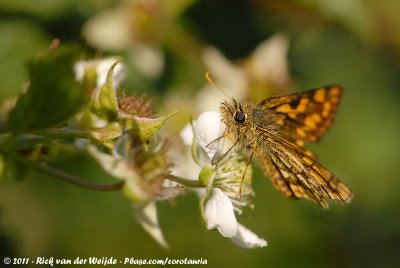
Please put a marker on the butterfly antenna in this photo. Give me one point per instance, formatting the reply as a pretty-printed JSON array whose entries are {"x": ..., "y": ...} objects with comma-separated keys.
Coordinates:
[{"x": 212, "y": 83}]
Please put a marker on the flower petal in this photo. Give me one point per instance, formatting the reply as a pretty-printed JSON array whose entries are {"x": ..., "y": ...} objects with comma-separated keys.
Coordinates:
[
  {"x": 101, "y": 68},
  {"x": 247, "y": 239},
  {"x": 208, "y": 128},
  {"x": 269, "y": 60},
  {"x": 226, "y": 73},
  {"x": 149, "y": 60},
  {"x": 219, "y": 214},
  {"x": 186, "y": 134},
  {"x": 109, "y": 30},
  {"x": 147, "y": 217}
]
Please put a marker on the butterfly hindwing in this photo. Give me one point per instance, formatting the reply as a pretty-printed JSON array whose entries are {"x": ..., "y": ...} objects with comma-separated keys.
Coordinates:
[
  {"x": 299, "y": 175},
  {"x": 284, "y": 181}
]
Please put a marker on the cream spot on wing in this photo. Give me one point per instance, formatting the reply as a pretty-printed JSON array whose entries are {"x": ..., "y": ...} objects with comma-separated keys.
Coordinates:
[
  {"x": 285, "y": 174},
  {"x": 308, "y": 160}
]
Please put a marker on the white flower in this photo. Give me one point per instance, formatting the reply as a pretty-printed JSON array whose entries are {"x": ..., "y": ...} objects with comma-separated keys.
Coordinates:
[
  {"x": 228, "y": 186},
  {"x": 209, "y": 128},
  {"x": 247, "y": 239},
  {"x": 220, "y": 215},
  {"x": 228, "y": 171}
]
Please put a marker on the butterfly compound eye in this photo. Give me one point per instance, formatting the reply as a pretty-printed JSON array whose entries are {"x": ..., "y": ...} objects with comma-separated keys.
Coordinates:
[{"x": 240, "y": 117}]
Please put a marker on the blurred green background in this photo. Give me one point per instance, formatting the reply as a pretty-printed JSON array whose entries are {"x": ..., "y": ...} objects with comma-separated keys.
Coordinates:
[{"x": 353, "y": 43}]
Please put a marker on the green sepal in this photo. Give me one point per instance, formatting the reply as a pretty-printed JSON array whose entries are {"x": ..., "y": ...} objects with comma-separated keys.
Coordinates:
[
  {"x": 202, "y": 205},
  {"x": 145, "y": 128},
  {"x": 106, "y": 106}
]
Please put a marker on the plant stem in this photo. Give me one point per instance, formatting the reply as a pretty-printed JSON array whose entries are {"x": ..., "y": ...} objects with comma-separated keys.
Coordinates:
[
  {"x": 100, "y": 136},
  {"x": 186, "y": 182},
  {"x": 41, "y": 167},
  {"x": 64, "y": 133}
]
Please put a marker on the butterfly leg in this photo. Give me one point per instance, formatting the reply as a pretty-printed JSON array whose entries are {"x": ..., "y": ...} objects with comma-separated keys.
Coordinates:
[
  {"x": 219, "y": 158},
  {"x": 217, "y": 139},
  {"x": 244, "y": 173}
]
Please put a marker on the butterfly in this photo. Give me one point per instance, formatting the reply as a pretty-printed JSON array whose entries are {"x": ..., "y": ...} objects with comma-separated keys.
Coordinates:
[{"x": 274, "y": 132}]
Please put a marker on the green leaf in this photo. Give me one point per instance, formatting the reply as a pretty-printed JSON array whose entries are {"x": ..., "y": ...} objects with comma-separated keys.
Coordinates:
[
  {"x": 53, "y": 95},
  {"x": 107, "y": 106},
  {"x": 145, "y": 128}
]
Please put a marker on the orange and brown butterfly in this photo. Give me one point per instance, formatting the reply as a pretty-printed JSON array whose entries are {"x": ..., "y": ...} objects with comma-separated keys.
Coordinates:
[{"x": 274, "y": 131}]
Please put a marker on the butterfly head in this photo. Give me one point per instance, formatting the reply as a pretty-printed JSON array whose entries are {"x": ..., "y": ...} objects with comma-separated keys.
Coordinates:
[{"x": 235, "y": 115}]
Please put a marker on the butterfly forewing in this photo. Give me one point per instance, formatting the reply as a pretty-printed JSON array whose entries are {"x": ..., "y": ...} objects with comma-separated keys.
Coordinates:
[{"x": 304, "y": 116}]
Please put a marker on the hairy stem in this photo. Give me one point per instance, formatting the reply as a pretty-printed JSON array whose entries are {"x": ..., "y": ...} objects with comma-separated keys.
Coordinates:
[
  {"x": 41, "y": 167},
  {"x": 64, "y": 133}
]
